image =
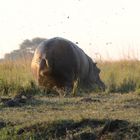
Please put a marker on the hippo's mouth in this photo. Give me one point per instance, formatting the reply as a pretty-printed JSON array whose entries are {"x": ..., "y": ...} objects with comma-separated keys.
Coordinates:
[{"x": 101, "y": 85}]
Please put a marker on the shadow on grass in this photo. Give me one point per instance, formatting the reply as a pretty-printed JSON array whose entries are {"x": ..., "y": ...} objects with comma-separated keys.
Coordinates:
[
  {"x": 22, "y": 100},
  {"x": 90, "y": 129},
  {"x": 33, "y": 102}
]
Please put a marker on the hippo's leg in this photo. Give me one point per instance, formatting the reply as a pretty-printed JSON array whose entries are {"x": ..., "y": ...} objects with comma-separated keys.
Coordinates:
[
  {"x": 75, "y": 87},
  {"x": 71, "y": 87}
]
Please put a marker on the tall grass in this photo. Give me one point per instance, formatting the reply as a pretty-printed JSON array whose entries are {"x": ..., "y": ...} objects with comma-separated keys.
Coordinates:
[
  {"x": 120, "y": 76},
  {"x": 14, "y": 75}
]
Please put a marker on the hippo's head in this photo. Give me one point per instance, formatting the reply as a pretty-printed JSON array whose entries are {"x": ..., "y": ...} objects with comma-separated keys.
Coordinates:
[{"x": 96, "y": 77}]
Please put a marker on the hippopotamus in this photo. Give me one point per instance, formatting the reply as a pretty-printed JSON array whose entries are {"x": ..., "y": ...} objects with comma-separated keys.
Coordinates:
[{"x": 58, "y": 62}]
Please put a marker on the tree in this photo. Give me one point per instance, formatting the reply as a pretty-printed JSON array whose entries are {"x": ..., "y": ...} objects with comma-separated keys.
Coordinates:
[{"x": 26, "y": 49}]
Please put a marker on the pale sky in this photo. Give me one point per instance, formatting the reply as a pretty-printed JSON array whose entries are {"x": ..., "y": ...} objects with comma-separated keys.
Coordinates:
[{"x": 106, "y": 28}]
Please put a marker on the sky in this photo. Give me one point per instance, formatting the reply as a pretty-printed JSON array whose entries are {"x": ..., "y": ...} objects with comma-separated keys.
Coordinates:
[{"x": 104, "y": 29}]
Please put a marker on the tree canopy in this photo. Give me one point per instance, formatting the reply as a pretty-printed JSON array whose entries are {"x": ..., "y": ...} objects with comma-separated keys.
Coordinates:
[{"x": 26, "y": 49}]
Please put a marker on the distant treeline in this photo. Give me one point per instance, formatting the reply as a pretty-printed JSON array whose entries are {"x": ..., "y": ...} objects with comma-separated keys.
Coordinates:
[{"x": 26, "y": 49}]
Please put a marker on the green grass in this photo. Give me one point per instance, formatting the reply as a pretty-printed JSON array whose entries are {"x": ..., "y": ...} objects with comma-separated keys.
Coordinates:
[
  {"x": 108, "y": 115},
  {"x": 54, "y": 117}
]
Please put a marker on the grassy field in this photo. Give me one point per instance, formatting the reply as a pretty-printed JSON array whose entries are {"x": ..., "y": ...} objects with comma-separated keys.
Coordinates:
[{"x": 27, "y": 112}]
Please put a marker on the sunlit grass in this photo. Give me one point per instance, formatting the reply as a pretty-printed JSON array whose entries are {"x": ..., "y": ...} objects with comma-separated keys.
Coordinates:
[
  {"x": 14, "y": 74},
  {"x": 15, "y": 71},
  {"x": 121, "y": 76}
]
